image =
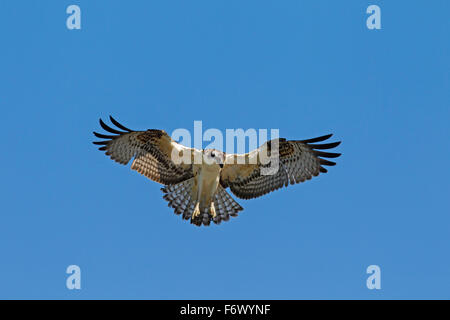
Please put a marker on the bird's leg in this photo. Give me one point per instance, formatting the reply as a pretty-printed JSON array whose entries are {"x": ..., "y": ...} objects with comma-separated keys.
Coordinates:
[
  {"x": 213, "y": 210},
  {"x": 196, "y": 212}
]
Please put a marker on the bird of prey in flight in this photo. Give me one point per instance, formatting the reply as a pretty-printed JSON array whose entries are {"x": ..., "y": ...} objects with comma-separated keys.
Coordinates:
[{"x": 197, "y": 189}]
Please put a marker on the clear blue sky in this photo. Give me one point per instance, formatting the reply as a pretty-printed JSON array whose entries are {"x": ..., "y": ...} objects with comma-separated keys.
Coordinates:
[{"x": 306, "y": 67}]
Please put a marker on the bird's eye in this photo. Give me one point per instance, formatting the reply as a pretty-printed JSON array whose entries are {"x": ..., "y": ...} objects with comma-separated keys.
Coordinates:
[{"x": 212, "y": 154}]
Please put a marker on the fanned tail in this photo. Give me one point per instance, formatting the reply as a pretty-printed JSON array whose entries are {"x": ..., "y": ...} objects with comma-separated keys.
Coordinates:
[
  {"x": 180, "y": 198},
  {"x": 225, "y": 206}
]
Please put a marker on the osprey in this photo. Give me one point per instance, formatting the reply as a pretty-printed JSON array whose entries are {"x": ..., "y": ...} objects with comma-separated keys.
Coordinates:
[{"x": 196, "y": 189}]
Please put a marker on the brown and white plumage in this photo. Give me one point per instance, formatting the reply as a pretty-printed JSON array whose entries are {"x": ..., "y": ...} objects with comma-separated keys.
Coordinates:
[
  {"x": 196, "y": 190},
  {"x": 298, "y": 161}
]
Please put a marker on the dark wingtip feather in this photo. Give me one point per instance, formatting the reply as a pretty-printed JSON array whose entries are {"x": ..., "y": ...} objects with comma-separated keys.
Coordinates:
[
  {"x": 103, "y": 136},
  {"x": 326, "y": 162},
  {"x": 326, "y": 154},
  {"x": 318, "y": 139},
  {"x": 118, "y": 125},
  {"x": 337, "y": 143},
  {"x": 325, "y": 145},
  {"x": 109, "y": 129},
  {"x": 100, "y": 142}
]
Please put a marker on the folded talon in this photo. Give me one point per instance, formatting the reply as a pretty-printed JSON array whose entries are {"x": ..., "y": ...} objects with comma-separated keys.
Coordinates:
[
  {"x": 196, "y": 212},
  {"x": 213, "y": 210}
]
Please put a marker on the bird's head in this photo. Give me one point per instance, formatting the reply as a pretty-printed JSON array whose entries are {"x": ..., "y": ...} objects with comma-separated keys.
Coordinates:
[{"x": 211, "y": 156}]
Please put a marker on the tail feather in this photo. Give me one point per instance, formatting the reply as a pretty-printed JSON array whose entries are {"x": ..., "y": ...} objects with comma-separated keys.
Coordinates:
[
  {"x": 179, "y": 198},
  {"x": 225, "y": 206},
  {"x": 187, "y": 213}
]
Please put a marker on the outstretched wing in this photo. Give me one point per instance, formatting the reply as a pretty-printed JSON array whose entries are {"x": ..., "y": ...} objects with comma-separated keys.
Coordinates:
[
  {"x": 248, "y": 175},
  {"x": 152, "y": 151}
]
